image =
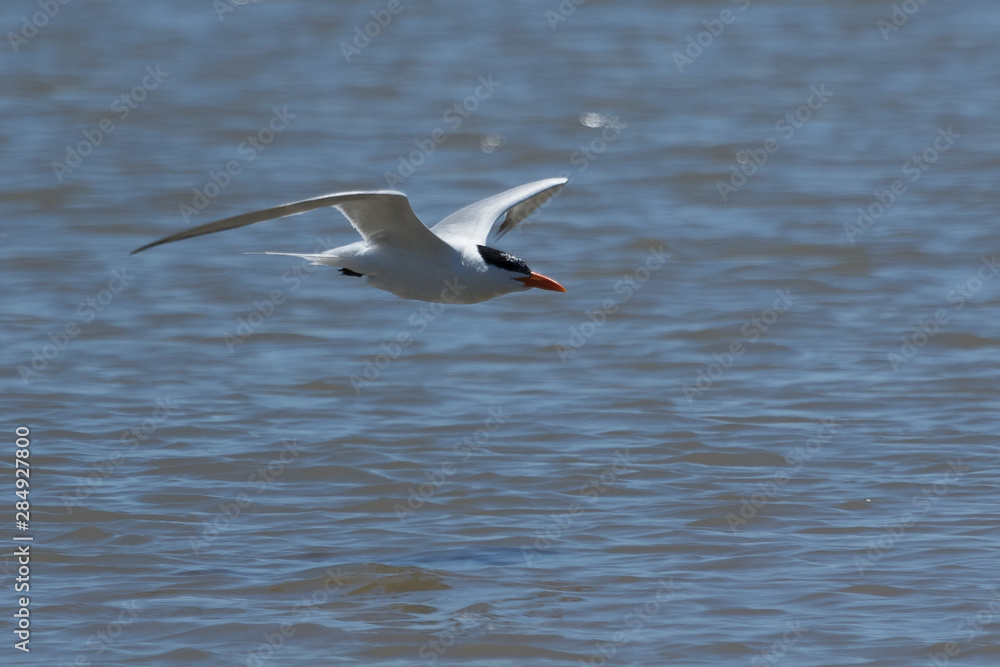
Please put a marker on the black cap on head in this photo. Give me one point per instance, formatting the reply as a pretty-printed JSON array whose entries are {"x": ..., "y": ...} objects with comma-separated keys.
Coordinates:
[{"x": 503, "y": 260}]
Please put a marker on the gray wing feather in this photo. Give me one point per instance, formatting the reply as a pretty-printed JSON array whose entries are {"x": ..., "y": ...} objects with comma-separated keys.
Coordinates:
[
  {"x": 380, "y": 217},
  {"x": 476, "y": 221}
]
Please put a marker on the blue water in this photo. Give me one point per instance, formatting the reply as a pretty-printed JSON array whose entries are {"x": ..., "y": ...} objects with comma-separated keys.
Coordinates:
[{"x": 759, "y": 428}]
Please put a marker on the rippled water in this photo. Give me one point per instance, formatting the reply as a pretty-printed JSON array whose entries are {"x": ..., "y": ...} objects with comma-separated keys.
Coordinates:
[{"x": 760, "y": 428}]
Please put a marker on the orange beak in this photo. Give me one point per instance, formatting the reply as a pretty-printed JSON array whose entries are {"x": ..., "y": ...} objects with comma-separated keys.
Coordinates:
[{"x": 541, "y": 282}]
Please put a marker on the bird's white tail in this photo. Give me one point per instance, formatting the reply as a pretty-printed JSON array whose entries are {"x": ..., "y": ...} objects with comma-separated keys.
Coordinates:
[{"x": 327, "y": 260}]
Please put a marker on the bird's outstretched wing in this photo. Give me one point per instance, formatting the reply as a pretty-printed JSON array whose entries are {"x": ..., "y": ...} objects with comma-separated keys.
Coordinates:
[
  {"x": 476, "y": 221},
  {"x": 382, "y": 218}
]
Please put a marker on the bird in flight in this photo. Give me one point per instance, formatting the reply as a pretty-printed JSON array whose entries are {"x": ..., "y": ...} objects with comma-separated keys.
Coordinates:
[{"x": 399, "y": 254}]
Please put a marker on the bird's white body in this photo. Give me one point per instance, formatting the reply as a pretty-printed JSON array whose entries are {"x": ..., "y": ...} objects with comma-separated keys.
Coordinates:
[
  {"x": 459, "y": 276},
  {"x": 448, "y": 263}
]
